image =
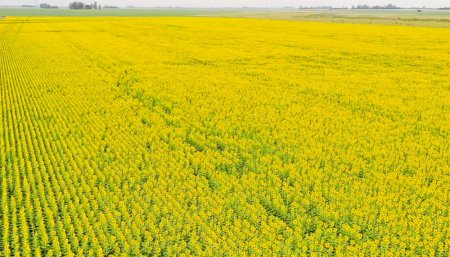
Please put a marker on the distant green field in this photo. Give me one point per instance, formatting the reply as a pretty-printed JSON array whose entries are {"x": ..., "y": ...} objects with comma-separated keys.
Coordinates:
[
  {"x": 428, "y": 17},
  {"x": 137, "y": 12}
]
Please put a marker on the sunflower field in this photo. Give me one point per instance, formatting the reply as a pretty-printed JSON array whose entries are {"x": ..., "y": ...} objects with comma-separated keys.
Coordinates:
[{"x": 188, "y": 136}]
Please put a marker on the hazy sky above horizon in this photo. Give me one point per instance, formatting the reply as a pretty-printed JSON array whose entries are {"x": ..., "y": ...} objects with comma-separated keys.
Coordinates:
[{"x": 240, "y": 3}]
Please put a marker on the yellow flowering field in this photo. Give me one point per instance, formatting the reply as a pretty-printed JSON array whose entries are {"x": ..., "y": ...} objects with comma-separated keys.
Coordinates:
[{"x": 223, "y": 137}]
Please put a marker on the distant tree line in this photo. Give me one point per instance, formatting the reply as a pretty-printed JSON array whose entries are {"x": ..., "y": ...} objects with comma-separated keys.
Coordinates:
[
  {"x": 365, "y": 6},
  {"x": 47, "y": 6},
  {"x": 81, "y": 5},
  {"x": 316, "y": 7}
]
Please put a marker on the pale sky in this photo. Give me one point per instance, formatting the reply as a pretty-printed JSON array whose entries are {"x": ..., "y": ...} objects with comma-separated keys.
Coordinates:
[{"x": 240, "y": 3}]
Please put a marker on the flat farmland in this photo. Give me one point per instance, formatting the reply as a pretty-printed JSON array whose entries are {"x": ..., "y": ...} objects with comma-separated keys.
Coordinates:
[{"x": 208, "y": 136}]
